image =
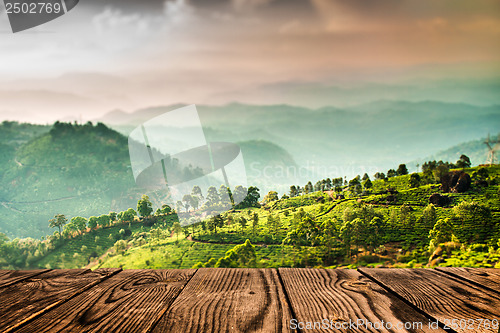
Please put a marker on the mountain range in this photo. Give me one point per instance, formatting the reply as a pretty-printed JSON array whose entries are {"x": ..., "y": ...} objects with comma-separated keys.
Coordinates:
[{"x": 342, "y": 141}]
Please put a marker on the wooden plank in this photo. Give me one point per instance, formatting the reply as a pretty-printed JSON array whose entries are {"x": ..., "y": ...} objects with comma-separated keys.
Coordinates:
[
  {"x": 488, "y": 278},
  {"x": 229, "y": 299},
  {"x": 343, "y": 297},
  {"x": 8, "y": 277},
  {"x": 441, "y": 297},
  {"x": 30, "y": 298},
  {"x": 130, "y": 301}
]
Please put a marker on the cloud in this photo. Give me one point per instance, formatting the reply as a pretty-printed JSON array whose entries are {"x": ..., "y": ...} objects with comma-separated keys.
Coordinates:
[
  {"x": 244, "y": 5},
  {"x": 113, "y": 19},
  {"x": 178, "y": 11}
]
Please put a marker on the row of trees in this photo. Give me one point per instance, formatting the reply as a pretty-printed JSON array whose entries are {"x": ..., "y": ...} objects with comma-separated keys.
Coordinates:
[
  {"x": 80, "y": 224},
  {"x": 242, "y": 196},
  {"x": 433, "y": 171}
]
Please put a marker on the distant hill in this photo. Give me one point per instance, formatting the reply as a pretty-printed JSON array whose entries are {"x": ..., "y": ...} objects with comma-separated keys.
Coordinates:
[
  {"x": 331, "y": 141},
  {"x": 476, "y": 150},
  {"x": 268, "y": 166},
  {"x": 267, "y": 153}
]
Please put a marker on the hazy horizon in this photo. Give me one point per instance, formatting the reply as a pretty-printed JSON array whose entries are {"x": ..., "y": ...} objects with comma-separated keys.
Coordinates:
[{"x": 107, "y": 55}]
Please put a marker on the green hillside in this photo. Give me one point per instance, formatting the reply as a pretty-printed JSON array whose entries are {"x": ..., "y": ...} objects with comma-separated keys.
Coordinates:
[
  {"x": 81, "y": 170},
  {"x": 12, "y": 136},
  {"x": 75, "y": 169},
  {"x": 386, "y": 222}
]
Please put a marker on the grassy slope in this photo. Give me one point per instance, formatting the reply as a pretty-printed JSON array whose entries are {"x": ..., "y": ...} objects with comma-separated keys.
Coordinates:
[{"x": 164, "y": 251}]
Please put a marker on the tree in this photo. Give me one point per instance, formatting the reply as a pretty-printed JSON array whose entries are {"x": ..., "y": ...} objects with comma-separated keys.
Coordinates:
[
  {"x": 195, "y": 202},
  {"x": 480, "y": 174},
  {"x": 308, "y": 188},
  {"x": 318, "y": 186},
  {"x": 112, "y": 216},
  {"x": 164, "y": 210},
  {"x": 391, "y": 173},
  {"x": 402, "y": 170},
  {"x": 365, "y": 177},
  {"x": 355, "y": 184},
  {"x": 252, "y": 199},
  {"x": 473, "y": 222},
  {"x": 414, "y": 180},
  {"x": 240, "y": 193},
  {"x": 69, "y": 229},
  {"x": 177, "y": 229},
  {"x": 374, "y": 233},
  {"x": 213, "y": 197},
  {"x": 144, "y": 206},
  {"x": 404, "y": 214},
  {"x": 271, "y": 196},
  {"x": 328, "y": 233},
  {"x": 188, "y": 201},
  {"x": 255, "y": 221},
  {"x": 179, "y": 205},
  {"x": 103, "y": 220},
  {"x": 120, "y": 246},
  {"x": 429, "y": 215},
  {"x": 367, "y": 184},
  {"x": 346, "y": 234},
  {"x": 429, "y": 166},
  {"x": 463, "y": 162},
  {"x": 441, "y": 170},
  {"x": 229, "y": 219},
  {"x": 128, "y": 215},
  {"x": 92, "y": 222},
  {"x": 379, "y": 175},
  {"x": 243, "y": 222},
  {"x": 226, "y": 197},
  {"x": 273, "y": 222},
  {"x": 196, "y": 191},
  {"x": 441, "y": 233},
  {"x": 58, "y": 221},
  {"x": 215, "y": 222},
  {"x": 359, "y": 230},
  {"x": 270, "y": 221},
  {"x": 80, "y": 223}
]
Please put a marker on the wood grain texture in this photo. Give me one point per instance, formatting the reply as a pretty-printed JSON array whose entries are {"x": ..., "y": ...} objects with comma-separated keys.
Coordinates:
[
  {"x": 229, "y": 300},
  {"x": 8, "y": 278},
  {"x": 441, "y": 297},
  {"x": 32, "y": 297},
  {"x": 341, "y": 296},
  {"x": 130, "y": 301},
  {"x": 489, "y": 278}
]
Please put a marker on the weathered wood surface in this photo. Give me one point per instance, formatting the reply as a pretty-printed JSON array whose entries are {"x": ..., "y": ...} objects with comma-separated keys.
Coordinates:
[
  {"x": 130, "y": 301},
  {"x": 248, "y": 300},
  {"x": 229, "y": 300},
  {"x": 489, "y": 278},
  {"x": 345, "y": 297},
  {"x": 8, "y": 278},
  {"x": 442, "y": 298},
  {"x": 36, "y": 295}
]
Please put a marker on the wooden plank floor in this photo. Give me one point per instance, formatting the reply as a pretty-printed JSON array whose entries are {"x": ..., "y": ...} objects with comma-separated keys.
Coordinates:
[{"x": 251, "y": 300}]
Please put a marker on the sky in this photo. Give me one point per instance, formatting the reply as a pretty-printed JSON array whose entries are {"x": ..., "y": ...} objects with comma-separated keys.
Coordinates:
[{"x": 124, "y": 54}]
